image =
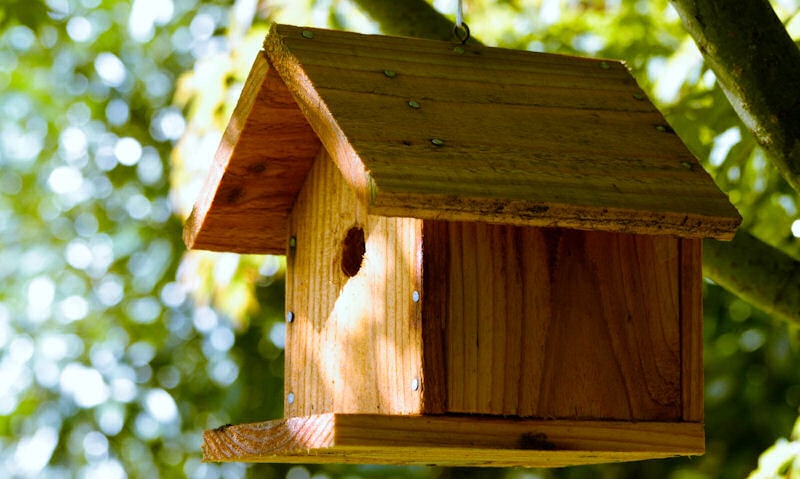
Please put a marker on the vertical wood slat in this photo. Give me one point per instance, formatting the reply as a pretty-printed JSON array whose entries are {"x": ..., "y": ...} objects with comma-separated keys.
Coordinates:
[
  {"x": 692, "y": 328},
  {"x": 354, "y": 345},
  {"x": 561, "y": 323},
  {"x": 435, "y": 290}
]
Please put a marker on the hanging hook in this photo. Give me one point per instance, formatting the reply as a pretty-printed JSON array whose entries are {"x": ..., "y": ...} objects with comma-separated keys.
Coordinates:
[{"x": 461, "y": 30}]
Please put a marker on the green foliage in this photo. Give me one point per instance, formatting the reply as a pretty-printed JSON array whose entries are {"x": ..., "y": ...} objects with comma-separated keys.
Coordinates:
[
  {"x": 117, "y": 349},
  {"x": 781, "y": 460},
  {"x": 25, "y": 12},
  {"x": 107, "y": 366}
]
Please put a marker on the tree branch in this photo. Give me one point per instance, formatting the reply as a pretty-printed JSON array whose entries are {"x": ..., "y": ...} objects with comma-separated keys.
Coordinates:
[
  {"x": 758, "y": 66},
  {"x": 748, "y": 267},
  {"x": 756, "y": 272},
  {"x": 410, "y": 18}
]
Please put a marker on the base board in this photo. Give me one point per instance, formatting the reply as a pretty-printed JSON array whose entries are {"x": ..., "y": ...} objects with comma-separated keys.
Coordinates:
[{"x": 449, "y": 441}]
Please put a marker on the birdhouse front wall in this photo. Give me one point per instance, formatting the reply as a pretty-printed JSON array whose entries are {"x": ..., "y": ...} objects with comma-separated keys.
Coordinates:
[{"x": 354, "y": 343}]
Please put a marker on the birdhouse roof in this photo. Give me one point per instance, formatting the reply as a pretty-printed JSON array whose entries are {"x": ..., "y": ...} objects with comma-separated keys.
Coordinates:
[{"x": 440, "y": 130}]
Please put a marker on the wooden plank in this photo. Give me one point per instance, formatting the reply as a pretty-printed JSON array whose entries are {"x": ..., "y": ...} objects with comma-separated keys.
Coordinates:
[
  {"x": 559, "y": 323},
  {"x": 355, "y": 343},
  {"x": 691, "y": 270},
  {"x": 526, "y": 213},
  {"x": 435, "y": 269},
  {"x": 552, "y": 134},
  {"x": 545, "y": 90},
  {"x": 261, "y": 162},
  {"x": 590, "y": 160},
  {"x": 442, "y": 58},
  {"x": 449, "y": 441}
]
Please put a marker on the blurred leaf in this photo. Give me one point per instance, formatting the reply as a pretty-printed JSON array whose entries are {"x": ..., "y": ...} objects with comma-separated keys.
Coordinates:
[{"x": 31, "y": 13}]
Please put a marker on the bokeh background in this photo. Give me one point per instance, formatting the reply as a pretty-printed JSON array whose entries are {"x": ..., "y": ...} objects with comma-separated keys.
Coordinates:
[{"x": 118, "y": 347}]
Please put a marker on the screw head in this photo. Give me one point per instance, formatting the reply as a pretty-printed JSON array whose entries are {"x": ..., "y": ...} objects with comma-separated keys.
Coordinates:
[
  {"x": 390, "y": 73},
  {"x": 308, "y": 34},
  {"x": 438, "y": 142},
  {"x": 415, "y": 384},
  {"x": 289, "y": 317},
  {"x": 290, "y": 398},
  {"x": 414, "y": 104}
]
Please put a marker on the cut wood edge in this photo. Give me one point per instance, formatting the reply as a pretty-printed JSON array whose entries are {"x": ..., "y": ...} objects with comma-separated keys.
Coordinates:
[
  {"x": 450, "y": 441},
  {"x": 244, "y": 203},
  {"x": 526, "y": 213},
  {"x": 313, "y": 106}
]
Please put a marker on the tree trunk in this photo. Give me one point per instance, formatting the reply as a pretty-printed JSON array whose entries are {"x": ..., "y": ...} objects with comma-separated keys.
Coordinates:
[{"x": 758, "y": 66}]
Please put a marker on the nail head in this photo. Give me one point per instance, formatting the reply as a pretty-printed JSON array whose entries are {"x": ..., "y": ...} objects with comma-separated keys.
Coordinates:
[
  {"x": 289, "y": 316},
  {"x": 638, "y": 96},
  {"x": 605, "y": 65},
  {"x": 415, "y": 105},
  {"x": 437, "y": 142},
  {"x": 415, "y": 296},
  {"x": 293, "y": 242},
  {"x": 687, "y": 164},
  {"x": 415, "y": 384},
  {"x": 390, "y": 73},
  {"x": 290, "y": 398},
  {"x": 459, "y": 50},
  {"x": 661, "y": 128},
  {"x": 308, "y": 34}
]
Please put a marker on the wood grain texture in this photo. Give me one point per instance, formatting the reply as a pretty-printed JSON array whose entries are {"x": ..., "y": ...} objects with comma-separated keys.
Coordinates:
[
  {"x": 435, "y": 270},
  {"x": 262, "y": 160},
  {"x": 555, "y": 323},
  {"x": 355, "y": 345},
  {"x": 691, "y": 267},
  {"x": 529, "y": 138},
  {"x": 449, "y": 441}
]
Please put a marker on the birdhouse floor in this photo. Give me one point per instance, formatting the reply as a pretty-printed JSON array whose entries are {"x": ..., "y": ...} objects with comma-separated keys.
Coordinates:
[{"x": 449, "y": 441}]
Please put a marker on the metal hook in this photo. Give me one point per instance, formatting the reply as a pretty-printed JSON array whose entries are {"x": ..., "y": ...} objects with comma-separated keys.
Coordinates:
[{"x": 461, "y": 32}]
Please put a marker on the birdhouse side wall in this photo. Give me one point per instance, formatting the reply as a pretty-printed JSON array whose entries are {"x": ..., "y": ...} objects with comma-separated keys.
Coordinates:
[
  {"x": 561, "y": 323},
  {"x": 354, "y": 343}
]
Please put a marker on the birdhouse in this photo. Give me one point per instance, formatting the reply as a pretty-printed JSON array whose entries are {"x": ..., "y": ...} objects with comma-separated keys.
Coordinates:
[{"x": 493, "y": 257}]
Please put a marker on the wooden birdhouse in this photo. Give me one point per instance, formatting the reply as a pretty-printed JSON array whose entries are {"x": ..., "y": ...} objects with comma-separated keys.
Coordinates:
[{"x": 493, "y": 256}]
